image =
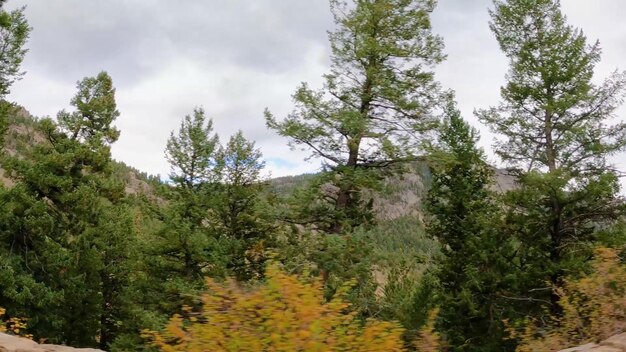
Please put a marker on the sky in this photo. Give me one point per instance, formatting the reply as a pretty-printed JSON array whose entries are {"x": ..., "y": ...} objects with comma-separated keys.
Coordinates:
[{"x": 234, "y": 58}]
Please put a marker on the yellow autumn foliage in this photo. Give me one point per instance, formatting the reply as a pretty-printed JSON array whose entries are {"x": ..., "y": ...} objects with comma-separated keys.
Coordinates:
[
  {"x": 285, "y": 314},
  {"x": 594, "y": 308},
  {"x": 13, "y": 325}
]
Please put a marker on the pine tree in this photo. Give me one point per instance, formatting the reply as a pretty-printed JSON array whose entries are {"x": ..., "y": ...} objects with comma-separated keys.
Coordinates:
[
  {"x": 238, "y": 207},
  {"x": 192, "y": 154},
  {"x": 557, "y": 134},
  {"x": 66, "y": 231},
  {"x": 377, "y": 99},
  {"x": 14, "y": 32},
  {"x": 184, "y": 247},
  {"x": 475, "y": 268},
  {"x": 95, "y": 113}
]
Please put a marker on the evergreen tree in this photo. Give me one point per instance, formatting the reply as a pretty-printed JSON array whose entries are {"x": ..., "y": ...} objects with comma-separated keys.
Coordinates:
[
  {"x": 378, "y": 97},
  {"x": 238, "y": 207},
  {"x": 14, "y": 32},
  {"x": 95, "y": 111},
  {"x": 66, "y": 233},
  {"x": 193, "y": 157},
  {"x": 192, "y": 153},
  {"x": 475, "y": 269},
  {"x": 557, "y": 134},
  {"x": 185, "y": 247}
]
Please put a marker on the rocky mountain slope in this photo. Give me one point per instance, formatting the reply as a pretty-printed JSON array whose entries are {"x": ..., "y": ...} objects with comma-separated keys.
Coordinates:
[
  {"x": 401, "y": 197},
  {"x": 22, "y": 134}
]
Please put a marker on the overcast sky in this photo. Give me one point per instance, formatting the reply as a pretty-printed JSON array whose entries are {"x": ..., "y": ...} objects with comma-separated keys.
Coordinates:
[{"x": 236, "y": 57}]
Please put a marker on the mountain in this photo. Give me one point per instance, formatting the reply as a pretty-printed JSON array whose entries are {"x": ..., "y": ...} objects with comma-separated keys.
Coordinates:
[
  {"x": 401, "y": 196},
  {"x": 22, "y": 134}
]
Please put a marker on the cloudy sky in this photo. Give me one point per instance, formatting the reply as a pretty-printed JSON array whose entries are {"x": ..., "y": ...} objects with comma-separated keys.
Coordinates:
[{"x": 236, "y": 57}]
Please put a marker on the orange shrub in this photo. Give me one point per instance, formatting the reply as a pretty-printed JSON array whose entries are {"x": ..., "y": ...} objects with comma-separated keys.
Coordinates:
[
  {"x": 594, "y": 308},
  {"x": 285, "y": 314}
]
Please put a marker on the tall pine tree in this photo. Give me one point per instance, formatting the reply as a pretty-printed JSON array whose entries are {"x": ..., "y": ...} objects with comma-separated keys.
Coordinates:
[
  {"x": 14, "y": 32},
  {"x": 238, "y": 208},
  {"x": 184, "y": 248},
  {"x": 475, "y": 269},
  {"x": 557, "y": 133},
  {"x": 66, "y": 233},
  {"x": 377, "y": 99}
]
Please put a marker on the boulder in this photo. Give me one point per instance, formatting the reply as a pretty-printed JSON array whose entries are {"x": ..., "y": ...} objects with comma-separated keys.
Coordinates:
[
  {"x": 616, "y": 343},
  {"x": 10, "y": 343}
]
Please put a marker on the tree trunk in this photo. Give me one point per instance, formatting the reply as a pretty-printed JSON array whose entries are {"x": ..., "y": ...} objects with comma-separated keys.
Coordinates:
[
  {"x": 344, "y": 195},
  {"x": 105, "y": 329},
  {"x": 555, "y": 214}
]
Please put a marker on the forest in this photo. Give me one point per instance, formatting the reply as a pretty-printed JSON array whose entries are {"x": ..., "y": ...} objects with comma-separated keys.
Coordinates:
[{"x": 407, "y": 239}]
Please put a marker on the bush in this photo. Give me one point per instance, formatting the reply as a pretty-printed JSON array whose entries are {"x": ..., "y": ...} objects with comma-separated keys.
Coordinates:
[
  {"x": 286, "y": 313},
  {"x": 13, "y": 326}
]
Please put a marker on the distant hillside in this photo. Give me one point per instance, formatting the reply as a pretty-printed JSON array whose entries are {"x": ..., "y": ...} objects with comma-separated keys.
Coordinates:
[
  {"x": 283, "y": 186},
  {"x": 22, "y": 134},
  {"x": 401, "y": 195}
]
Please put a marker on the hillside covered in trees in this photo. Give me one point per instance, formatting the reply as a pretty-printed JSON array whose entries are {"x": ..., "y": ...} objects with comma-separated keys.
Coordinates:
[{"x": 407, "y": 239}]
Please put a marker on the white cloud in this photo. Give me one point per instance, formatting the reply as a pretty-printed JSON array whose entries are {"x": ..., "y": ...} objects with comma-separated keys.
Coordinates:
[{"x": 235, "y": 58}]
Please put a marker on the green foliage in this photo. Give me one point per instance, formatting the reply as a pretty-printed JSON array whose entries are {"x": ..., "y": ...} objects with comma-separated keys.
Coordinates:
[
  {"x": 475, "y": 270},
  {"x": 337, "y": 259},
  {"x": 394, "y": 254},
  {"x": 95, "y": 111},
  {"x": 239, "y": 212},
  {"x": 553, "y": 116},
  {"x": 378, "y": 97},
  {"x": 6, "y": 110},
  {"x": 192, "y": 153},
  {"x": 67, "y": 235},
  {"x": 284, "y": 186},
  {"x": 387, "y": 262},
  {"x": 555, "y": 124},
  {"x": 402, "y": 253},
  {"x": 402, "y": 239},
  {"x": 613, "y": 236},
  {"x": 213, "y": 220},
  {"x": 182, "y": 247},
  {"x": 92, "y": 251},
  {"x": 14, "y": 32},
  {"x": 314, "y": 205}
]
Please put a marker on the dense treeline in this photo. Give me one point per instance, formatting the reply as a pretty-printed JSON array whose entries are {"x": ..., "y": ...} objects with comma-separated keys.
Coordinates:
[{"x": 217, "y": 258}]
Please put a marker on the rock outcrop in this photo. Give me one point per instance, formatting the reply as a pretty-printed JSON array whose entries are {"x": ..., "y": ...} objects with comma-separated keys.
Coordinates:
[
  {"x": 10, "y": 343},
  {"x": 616, "y": 343}
]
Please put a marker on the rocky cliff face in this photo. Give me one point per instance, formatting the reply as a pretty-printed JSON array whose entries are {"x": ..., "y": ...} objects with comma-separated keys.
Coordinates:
[{"x": 10, "y": 343}]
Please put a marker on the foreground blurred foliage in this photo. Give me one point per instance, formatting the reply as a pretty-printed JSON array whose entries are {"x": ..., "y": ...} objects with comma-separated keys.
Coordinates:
[
  {"x": 285, "y": 313},
  {"x": 594, "y": 308},
  {"x": 12, "y": 325}
]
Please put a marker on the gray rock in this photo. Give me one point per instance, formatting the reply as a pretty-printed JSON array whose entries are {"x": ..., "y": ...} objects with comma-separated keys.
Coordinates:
[{"x": 10, "y": 343}]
